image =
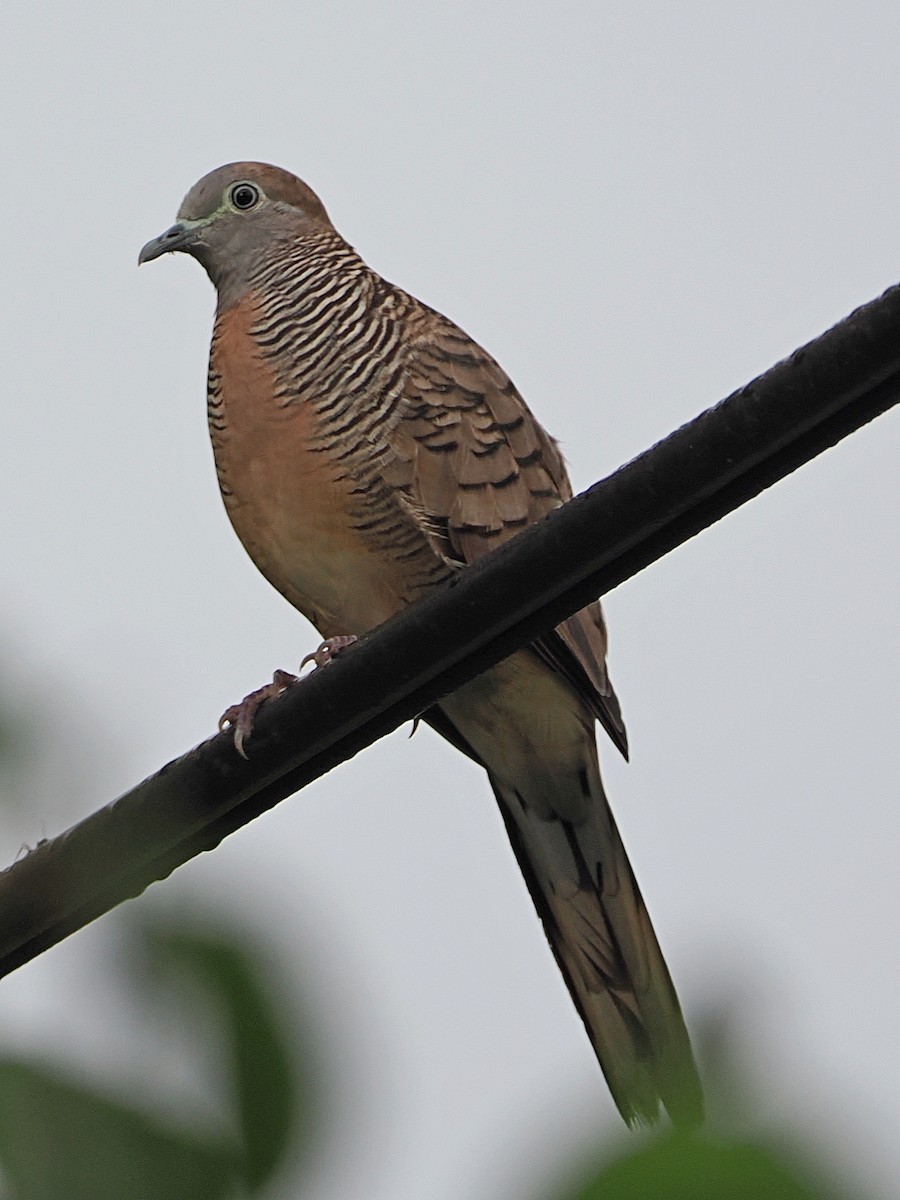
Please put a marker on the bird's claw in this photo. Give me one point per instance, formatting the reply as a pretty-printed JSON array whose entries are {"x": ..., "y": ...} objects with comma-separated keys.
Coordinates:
[
  {"x": 240, "y": 717},
  {"x": 328, "y": 650}
]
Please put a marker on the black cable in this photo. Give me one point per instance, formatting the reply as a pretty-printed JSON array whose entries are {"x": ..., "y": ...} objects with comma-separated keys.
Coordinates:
[{"x": 619, "y": 526}]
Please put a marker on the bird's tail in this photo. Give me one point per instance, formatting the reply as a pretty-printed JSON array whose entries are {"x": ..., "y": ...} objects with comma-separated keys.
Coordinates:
[{"x": 599, "y": 929}]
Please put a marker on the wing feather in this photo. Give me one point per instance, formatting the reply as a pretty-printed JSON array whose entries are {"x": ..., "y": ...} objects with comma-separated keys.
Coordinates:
[{"x": 476, "y": 467}]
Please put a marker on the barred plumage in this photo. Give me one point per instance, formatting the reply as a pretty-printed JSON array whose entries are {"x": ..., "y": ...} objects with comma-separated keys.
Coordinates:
[{"x": 366, "y": 448}]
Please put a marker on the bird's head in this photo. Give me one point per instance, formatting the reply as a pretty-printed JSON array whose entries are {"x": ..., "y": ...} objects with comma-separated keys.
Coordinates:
[{"x": 233, "y": 215}]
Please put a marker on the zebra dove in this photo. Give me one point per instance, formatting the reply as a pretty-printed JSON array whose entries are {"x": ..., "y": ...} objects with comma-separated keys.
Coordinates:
[{"x": 366, "y": 449}]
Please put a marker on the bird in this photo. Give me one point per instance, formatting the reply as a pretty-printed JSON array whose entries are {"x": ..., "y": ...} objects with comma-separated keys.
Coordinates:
[{"x": 367, "y": 449}]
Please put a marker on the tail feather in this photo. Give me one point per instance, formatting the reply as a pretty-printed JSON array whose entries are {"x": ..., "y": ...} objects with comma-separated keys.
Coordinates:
[
  {"x": 534, "y": 735},
  {"x": 600, "y": 933}
]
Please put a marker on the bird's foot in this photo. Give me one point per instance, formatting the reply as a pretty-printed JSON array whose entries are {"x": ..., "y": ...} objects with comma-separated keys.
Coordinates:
[
  {"x": 329, "y": 649},
  {"x": 240, "y": 717}
]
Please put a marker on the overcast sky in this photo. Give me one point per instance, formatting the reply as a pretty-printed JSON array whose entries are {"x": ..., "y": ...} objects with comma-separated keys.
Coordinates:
[{"x": 636, "y": 208}]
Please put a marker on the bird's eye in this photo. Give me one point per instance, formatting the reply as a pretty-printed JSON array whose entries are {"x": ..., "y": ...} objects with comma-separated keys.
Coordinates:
[{"x": 244, "y": 196}]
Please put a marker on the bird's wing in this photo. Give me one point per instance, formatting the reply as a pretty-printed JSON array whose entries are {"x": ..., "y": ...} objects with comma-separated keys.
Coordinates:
[{"x": 476, "y": 467}]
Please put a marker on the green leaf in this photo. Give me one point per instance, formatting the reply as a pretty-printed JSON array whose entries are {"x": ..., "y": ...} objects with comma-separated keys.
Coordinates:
[
  {"x": 270, "y": 1110},
  {"x": 681, "y": 1167},
  {"x": 62, "y": 1141}
]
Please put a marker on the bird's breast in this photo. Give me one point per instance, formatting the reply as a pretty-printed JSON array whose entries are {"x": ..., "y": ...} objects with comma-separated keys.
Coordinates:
[{"x": 289, "y": 498}]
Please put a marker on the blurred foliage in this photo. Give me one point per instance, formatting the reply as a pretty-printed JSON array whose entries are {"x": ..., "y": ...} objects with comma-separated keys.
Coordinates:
[
  {"x": 17, "y": 750},
  {"x": 266, "y": 1094},
  {"x": 65, "y": 1140},
  {"x": 62, "y": 1139},
  {"x": 721, "y": 1161},
  {"x": 697, "y": 1167}
]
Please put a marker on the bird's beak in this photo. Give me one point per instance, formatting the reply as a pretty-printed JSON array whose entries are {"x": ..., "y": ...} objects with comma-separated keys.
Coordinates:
[{"x": 181, "y": 236}]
